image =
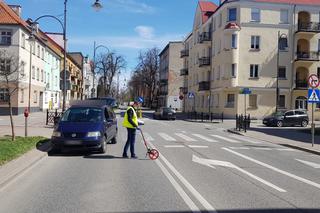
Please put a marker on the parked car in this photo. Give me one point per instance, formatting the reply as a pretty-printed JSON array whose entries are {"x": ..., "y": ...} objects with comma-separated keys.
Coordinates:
[
  {"x": 109, "y": 101},
  {"x": 288, "y": 118},
  {"x": 85, "y": 127},
  {"x": 165, "y": 113}
]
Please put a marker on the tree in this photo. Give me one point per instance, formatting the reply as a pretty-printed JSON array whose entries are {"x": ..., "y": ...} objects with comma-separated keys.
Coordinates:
[
  {"x": 108, "y": 66},
  {"x": 146, "y": 74},
  {"x": 11, "y": 72}
]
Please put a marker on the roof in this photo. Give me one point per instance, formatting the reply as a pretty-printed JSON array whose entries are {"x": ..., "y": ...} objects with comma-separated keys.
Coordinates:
[
  {"x": 303, "y": 2},
  {"x": 8, "y": 16},
  {"x": 167, "y": 46},
  {"x": 207, "y": 9}
]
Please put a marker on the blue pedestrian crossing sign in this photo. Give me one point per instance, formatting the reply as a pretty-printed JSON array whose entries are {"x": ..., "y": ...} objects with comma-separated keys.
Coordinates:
[
  {"x": 140, "y": 99},
  {"x": 190, "y": 95},
  {"x": 313, "y": 96}
]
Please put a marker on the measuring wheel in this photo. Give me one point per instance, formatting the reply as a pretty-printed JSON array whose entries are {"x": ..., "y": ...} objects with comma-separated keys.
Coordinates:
[{"x": 153, "y": 154}]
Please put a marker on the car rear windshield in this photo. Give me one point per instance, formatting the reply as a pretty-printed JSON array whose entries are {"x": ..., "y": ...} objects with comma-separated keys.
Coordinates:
[
  {"x": 167, "y": 110},
  {"x": 82, "y": 114}
]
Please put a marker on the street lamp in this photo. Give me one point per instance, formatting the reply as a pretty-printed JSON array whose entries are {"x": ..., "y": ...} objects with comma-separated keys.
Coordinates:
[
  {"x": 283, "y": 45},
  {"x": 94, "y": 64}
]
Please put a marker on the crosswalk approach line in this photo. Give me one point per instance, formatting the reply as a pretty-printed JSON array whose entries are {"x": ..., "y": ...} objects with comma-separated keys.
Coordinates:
[
  {"x": 226, "y": 139},
  {"x": 185, "y": 137},
  {"x": 205, "y": 138},
  {"x": 166, "y": 136}
]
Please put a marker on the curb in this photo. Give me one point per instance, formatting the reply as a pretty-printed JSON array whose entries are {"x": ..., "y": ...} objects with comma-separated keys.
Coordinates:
[
  {"x": 14, "y": 168},
  {"x": 282, "y": 144}
]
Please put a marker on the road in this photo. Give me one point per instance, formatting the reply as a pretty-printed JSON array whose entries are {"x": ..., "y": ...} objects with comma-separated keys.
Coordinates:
[{"x": 200, "y": 169}]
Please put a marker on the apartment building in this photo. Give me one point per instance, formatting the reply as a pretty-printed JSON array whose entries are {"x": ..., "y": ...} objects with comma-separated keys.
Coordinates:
[
  {"x": 257, "y": 44},
  {"x": 170, "y": 79},
  {"x": 37, "y": 60}
]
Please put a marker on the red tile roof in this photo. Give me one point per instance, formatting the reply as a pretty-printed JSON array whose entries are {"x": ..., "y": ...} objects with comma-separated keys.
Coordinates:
[
  {"x": 8, "y": 16},
  {"x": 206, "y": 8},
  {"x": 304, "y": 2}
]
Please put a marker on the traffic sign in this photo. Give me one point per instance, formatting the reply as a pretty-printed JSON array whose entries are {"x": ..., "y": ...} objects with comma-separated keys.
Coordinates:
[
  {"x": 190, "y": 95},
  {"x": 140, "y": 99},
  {"x": 245, "y": 91},
  {"x": 313, "y": 81},
  {"x": 313, "y": 96}
]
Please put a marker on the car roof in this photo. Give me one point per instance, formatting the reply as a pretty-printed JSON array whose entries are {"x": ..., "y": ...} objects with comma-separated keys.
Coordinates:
[{"x": 89, "y": 103}]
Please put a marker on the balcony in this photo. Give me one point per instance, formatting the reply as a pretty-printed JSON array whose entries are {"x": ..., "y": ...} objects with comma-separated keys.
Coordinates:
[
  {"x": 204, "y": 61},
  {"x": 184, "y": 90},
  {"x": 184, "y": 53},
  {"x": 184, "y": 71},
  {"x": 301, "y": 84},
  {"x": 307, "y": 56},
  {"x": 163, "y": 81},
  {"x": 309, "y": 27},
  {"x": 205, "y": 36},
  {"x": 204, "y": 85}
]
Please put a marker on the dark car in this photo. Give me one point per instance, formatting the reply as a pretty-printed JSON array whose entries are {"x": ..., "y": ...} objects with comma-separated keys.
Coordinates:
[
  {"x": 165, "y": 113},
  {"x": 109, "y": 101},
  {"x": 288, "y": 118},
  {"x": 85, "y": 126}
]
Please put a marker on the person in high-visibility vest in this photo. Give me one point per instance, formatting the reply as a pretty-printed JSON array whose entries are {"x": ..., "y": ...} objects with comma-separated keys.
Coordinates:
[{"x": 130, "y": 121}]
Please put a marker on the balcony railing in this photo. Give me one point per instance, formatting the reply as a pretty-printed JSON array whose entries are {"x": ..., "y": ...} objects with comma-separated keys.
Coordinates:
[
  {"x": 204, "y": 85},
  {"x": 184, "y": 71},
  {"x": 205, "y": 36},
  {"x": 204, "y": 61},
  {"x": 307, "y": 56},
  {"x": 184, "y": 90},
  {"x": 302, "y": 84},
  {"x": 309, "y": 27},
  {"x": 184, "y": 53}
]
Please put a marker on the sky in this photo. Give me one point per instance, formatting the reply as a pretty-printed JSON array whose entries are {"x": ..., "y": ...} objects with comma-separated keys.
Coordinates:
[{"x": 124, "y": 26}]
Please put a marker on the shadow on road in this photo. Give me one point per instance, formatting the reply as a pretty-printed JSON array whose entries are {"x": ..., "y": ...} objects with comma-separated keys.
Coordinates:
[
  {"x": 103, "y": 157},
  {"x": 235, "y": 211}
]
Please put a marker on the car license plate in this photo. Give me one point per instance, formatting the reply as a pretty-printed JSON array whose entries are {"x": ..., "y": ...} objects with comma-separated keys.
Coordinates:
[
  {"x": 73, "y": 142},
  {"x": 169, "y": 113}
]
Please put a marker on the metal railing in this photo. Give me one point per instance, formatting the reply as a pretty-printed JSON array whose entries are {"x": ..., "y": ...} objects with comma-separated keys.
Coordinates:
[
  {"x": 243, "y": 122},
  {"x": 204, "y": 61},
  {"x": 307, "y": 56},
  {"x": 309, "y": 27},
  {"x": 205, "y": 117},
  {"x": 53, "y": 116}
]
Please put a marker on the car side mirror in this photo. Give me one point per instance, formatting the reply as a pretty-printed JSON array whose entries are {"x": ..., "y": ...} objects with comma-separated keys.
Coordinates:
[{"x": 56, "y": 120}]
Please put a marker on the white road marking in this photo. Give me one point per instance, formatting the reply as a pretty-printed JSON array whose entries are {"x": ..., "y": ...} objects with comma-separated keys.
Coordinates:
[
  {"x": 261, "y": 148},
  {"x": 209, "y": 162},
  {"x": 148, "y": 136},
  {"x": 312, "y": 164},
  {"x": 195, "y": 146},
  {"x": 226, "y": 139},
  {"x": 246, "y": 148},
  {"x": 184, "y": 137},
  {"x": 205, "y": 138},
  {"x": 244, "y": 139},
  {"x": 306, "y": 181},
  {"x": 178, "y": 188},
  {"x": 166, "y": 137},
  {"x": 288, "y": 149},
  {"x": 207, "y": 125},
  {"x": 184, "y": 131},
  {"x": 174, "y": 146}
]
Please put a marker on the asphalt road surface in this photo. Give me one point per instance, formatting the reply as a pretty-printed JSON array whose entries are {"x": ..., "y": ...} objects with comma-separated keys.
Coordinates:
[{"x": 200, "y": 169}]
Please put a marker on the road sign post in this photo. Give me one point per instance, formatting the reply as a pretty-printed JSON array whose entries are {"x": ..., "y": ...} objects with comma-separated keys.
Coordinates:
[
  {"x": 245, "y": 91},
  {"x": 313, "y": 97}
]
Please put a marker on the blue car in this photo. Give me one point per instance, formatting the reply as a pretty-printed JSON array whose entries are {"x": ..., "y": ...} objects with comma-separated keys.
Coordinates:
[{"x": 85, "y": 126}]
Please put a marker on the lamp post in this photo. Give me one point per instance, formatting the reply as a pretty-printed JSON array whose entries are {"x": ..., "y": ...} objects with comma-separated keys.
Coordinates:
[
  {"x": 285, "y": 45},
  {"x": 94, "y": 64},
  {"x": 97, "y": 6}
]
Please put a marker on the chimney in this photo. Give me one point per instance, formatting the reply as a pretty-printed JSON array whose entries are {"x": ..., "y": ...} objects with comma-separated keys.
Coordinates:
[{"x": 16, "y": 9}]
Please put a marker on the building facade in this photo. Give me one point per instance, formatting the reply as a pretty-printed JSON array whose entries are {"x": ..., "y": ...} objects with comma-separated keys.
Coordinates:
[
  {"x": 257, "y": 44},
  {"x": 170, "y": 79}
]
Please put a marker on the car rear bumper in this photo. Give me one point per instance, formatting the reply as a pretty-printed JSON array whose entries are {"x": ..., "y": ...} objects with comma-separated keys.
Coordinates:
[{"x": 76, "y": 144}]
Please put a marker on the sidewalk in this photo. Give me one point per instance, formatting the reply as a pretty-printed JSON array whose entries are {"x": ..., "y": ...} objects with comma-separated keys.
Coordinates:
[{"x": 286, "y": 136}]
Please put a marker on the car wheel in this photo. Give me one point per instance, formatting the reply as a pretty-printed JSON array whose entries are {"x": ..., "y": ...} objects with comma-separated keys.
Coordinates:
[
  {"x": 304, "y": 123},
  {"x": 103, "y": 148},
  {"x": 279, "y": 124},
  {"x": 53, "y": 151}
]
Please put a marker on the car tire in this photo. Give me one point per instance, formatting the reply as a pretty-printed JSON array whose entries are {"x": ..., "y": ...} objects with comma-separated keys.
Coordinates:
[
  {"x": 279, "y": 124},
  {"x": 53, "y": 151},
  {"x": 304, "y": 123},
  {"x": 103, "y": 147}
]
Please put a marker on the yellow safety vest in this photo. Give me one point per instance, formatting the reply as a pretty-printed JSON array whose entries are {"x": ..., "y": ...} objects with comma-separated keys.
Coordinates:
[{"x": 126, "y": 122}]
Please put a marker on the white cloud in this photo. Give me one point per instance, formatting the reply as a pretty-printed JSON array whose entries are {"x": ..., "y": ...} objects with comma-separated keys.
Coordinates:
[
  {"x": 145, "y": 31},
  {"x": 131, "y": 6}
]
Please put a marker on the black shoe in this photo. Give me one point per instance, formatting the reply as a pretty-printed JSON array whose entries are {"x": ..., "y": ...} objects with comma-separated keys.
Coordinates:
[
  {"x": 125, "y": 156},
  {"x": 134, "y": 157}
]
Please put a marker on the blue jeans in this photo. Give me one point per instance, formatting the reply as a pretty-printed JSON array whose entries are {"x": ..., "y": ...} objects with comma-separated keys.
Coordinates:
[{"x": 130, "y": 142}]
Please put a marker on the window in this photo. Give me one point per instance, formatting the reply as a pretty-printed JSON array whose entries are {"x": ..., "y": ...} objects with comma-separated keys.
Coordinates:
[
  {"x": 253, "y": 101},
  {"x": 233, "y": 70},
  {"x": 218, "y": 73},
  {"x": 214, "y": 25},
  {"x": 284, "y": 16},
  {"x": 5, "y": 37},
  {"x": 220, "y": 20},
  {"x": 318, "y": 72},
  {"x": 42, "y": 53},
  {"x": 41, "y": 75},
  {"x": 283, "y": 44},
  {"x": 38, "y": 50},
  {"x": 33, "y": 72},
  {"x": 255, "y": 14},
  {"x": 35, "y": 96},
  {"x": 290, "y": 113},
  {"x": 255, "y": 42},
  {"x": 254, "y": 71},
  {"x": 38, "y": 74},
  {"x": 282, "y": 101},
  {"x": 21, "y": 95},
  {"x": 23, "y": 40},
  {"x": 22, "y": 68},
  {"x": 282, "y": 72},
  {"x": 234, "y": 41},
  {"x": 232, "y": 12},
  {"x": 318, "y": 45},
  {"x": 56, "y": 81},
  {"x": 5, "y": 66},
  {"x": 230, "y": 101},
  {"x": 4, "y": 95}
]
